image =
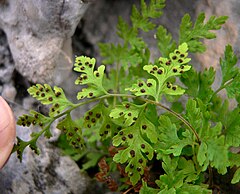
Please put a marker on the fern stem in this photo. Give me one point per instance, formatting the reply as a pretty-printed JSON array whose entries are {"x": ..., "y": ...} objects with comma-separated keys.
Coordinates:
[
  {"x": 74, "y": 106},
  {"x": 116, "y": 84},
  {"x": 176, "y": 115},
  {"x": 222, "y": 87}
]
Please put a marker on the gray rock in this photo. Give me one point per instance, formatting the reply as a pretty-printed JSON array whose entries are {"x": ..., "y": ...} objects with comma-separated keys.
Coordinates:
[
  {"x": 6, "y": 62},
  {"x": 39, "y": 35}
]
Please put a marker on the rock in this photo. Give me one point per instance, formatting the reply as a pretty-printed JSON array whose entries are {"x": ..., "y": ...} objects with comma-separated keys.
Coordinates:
[
  {"x": 39, "y": 35},
  {"x": 6, "y": 62}
]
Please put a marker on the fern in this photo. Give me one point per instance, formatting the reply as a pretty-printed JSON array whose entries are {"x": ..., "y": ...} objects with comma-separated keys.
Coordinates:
[{"x": 129, "y": 129}]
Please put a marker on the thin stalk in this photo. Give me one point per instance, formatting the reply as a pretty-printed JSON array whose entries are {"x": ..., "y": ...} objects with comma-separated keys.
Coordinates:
[
  {"x": 142, "y": 99},
  {"x": 116, "y": 84},
  {"x": 222, "y": 87},
  {"x": 176, "y": 115}
]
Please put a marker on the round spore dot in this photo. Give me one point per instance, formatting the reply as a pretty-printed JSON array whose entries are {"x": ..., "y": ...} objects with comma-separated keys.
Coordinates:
[
  {"x": 106, "y": 132},
  {"x": 142, "y": 146},
  {"x": 140, "y": 160},
  {"x": 98, "y": 115},
  {"x": 127, "y": 105},
  {"x": 168, "y": 63},
  {"x": 132, "y": 153},
  {"x": 124, "y": 138},
  {"x": 140, "y": 84},
  {"x": 154, "y": 68},
  {"x": 182, "y": 55},
  {"x": 174, "y": 70},
  {"x": 139, "y": 169},
  {"x": 174, "y": 88},
  {"x": 144, "y": 127},
  {"x": 93, "y": 120},
  {"x": 108, "y": 126},
  {"x": 142, "y": 90},
  {"x": 90, "y": 113},
  {"x": 131, "y": 166},
  {"x": 129, "y": 114},
  {"x": 160, "y": 71},
  {"x": 180, "y": 60},
  {"x": 58, "y": 94},
  {"x": 121, "y": 132},
  {"x": 149, "y": 84},
  {"x": 130, "y": 136},
  {"x": 174, "y": 57}
]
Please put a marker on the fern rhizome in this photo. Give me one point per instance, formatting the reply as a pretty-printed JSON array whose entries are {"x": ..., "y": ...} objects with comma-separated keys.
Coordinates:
[{"x": 156, "y": 148}]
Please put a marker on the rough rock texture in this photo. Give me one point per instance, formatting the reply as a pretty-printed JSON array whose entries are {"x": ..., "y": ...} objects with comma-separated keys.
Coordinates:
[
  {"x": 6, "y": 69},
  {"x": 39, "y": 35}
]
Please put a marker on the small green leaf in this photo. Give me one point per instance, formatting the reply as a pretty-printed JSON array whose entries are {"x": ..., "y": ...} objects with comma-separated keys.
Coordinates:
[
  {"x": 236, "y": 177},
  {"x": 46, "y": 95},
  {"x": 230, "y": 73},
  {"x": 199, "y": 84},
  {"x": 144, "y": 88},
  {"x": 93, "y": 79},
  {"x": 192, "y": 34},
  {"x": 34, "y": 118},
  {"x": 165, "y": 43},
  {"x": 73, "y": 131},
  {"x": 136, "y": 139},
  {"x": 170, "y": 142},
  {"x": 147, "y": 190}
]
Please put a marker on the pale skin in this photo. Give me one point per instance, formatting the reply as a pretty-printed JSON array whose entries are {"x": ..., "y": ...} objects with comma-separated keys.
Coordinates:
[{"x": 7, "y": 131}]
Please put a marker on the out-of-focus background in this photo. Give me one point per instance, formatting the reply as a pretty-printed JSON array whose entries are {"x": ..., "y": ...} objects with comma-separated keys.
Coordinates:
[{"x": 38, "y": 42}]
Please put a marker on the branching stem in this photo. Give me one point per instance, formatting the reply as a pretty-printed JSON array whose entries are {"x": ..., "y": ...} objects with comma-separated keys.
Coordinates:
[
  {"x": 222, "y": 87},
  {"x": 142, "y": 99}
]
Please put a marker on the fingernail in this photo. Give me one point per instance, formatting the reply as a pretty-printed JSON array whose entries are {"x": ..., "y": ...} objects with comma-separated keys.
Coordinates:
[{"x": 4, "y": 115}]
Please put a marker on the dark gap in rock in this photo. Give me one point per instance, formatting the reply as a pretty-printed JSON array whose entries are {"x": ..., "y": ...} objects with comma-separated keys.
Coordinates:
[
  {"x": 21, "y": 84},
  {"x": 81, "y": 45}
]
